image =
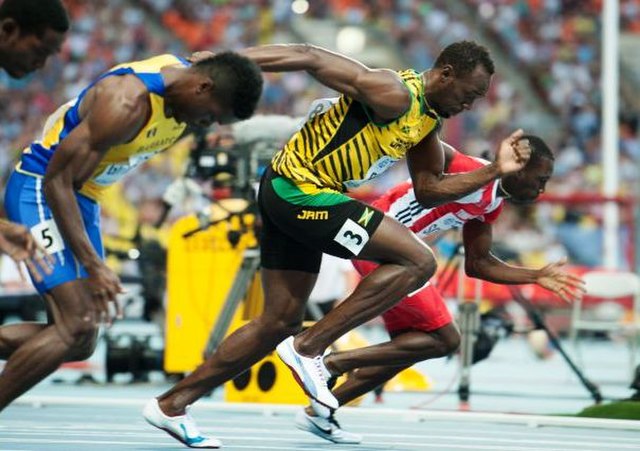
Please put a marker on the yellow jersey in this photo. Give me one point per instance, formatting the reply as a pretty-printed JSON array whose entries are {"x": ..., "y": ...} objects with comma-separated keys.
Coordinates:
[
  {"x": 156, "y": 135},
  {"x": 342, "y": 147}
]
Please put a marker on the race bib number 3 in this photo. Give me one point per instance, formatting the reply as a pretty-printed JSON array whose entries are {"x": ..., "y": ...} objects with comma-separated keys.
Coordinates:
[
  {"x": 48, "y": 236},
  {"x": 352, "y": 236}
]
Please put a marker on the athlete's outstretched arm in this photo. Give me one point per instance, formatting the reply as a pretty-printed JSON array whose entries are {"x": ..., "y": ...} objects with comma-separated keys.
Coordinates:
[
  {"x": 433, "y": 186},
  {"x": 482, "y": 264},
  {"x": 109, "y": 117},
  {"x": 380, "y": 89}
]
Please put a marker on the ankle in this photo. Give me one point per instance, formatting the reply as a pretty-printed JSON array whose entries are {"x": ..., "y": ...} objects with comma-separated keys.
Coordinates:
[
  {"x": 302, "y": 348},
  {"x": 169, "y": 410}
]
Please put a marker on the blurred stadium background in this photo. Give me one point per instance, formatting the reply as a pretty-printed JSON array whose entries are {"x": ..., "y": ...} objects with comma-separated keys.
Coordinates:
[{"x": 548, "y": 57}]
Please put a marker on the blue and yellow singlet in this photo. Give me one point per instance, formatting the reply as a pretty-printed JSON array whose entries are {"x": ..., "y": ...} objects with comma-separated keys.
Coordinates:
[{"x": 157, "y": 134}]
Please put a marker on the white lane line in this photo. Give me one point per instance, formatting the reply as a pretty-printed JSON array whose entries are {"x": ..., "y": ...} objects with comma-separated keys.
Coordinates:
[
  {"x": 404, "y": 414},
  {"x": 147, "y": 444},
  {"x": 279, "y": 447},
  {"x": 231, "y": 425},
  {"x": 413, "y": 440}
]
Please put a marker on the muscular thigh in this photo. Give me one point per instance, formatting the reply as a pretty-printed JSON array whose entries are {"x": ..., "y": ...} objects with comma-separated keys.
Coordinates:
[{"x": 394, "y": 243}]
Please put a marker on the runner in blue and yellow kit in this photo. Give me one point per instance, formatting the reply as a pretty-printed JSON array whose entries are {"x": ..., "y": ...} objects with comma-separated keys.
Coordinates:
[
  {"x": 381, "y": 117},
  {"x": 125, "y": 117}
]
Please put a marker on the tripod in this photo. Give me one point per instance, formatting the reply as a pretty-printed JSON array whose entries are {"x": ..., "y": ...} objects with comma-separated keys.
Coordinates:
[
  {"x": 469, "y": 318},
  {"x": 470, "y": 326},
  {"x": 242, "y": 281},
  {"x": 538, "y": 322}
]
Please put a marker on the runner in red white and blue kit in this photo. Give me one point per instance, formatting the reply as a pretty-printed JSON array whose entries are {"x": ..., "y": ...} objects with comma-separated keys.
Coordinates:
[{"x": 421, "y": 326}]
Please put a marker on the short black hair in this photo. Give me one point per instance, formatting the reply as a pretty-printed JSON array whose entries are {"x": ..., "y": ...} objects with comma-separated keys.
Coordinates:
[
  {"x": 539, "y": 150},
  {"x": 237, "y": 79},
  {"x": 35, "y": 16},
  {"x": 464, "y": 57}
]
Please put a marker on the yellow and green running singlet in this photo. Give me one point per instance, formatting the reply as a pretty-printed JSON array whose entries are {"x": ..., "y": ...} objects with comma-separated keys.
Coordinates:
[{"x": 343, "y": 147}]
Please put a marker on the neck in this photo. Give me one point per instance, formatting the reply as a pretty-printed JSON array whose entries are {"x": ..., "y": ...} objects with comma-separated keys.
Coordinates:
[
  {"x": 172, "y": 78},
  {"x": 172, "y": 84},
  {"x": 427, "y": 77}
]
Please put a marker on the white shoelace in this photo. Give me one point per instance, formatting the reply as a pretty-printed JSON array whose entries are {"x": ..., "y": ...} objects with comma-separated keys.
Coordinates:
[{"x": 317, "y": 360}]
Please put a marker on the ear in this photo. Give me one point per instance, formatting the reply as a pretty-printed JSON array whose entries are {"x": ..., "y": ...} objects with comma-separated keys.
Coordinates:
[
  {"x": 9, "y": 28},
  {"x": 204, "y": 86},
  {"x": 446, "y": 74}
]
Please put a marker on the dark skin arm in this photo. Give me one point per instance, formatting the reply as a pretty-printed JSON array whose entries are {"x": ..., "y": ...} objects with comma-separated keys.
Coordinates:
[
  {"x": 381, "y": 90},
  {"x": 433, "y": 187},
  {"x": 480, "y": 263},
  {"x": 112, "y": 113}
]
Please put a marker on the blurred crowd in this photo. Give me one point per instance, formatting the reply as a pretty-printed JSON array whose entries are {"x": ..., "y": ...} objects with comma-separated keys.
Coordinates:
[
  {"x": 557, "y": 44},
  {"x": 554, "y": 43}
]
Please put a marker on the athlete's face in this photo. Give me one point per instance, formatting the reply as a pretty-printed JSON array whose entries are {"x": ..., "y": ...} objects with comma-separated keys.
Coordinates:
[
  {"x": 201, "y": 106},
  {"x": 527, "y": 184},
  {"x": 23, "y": 53},
  {"x": 451, "y": 95}
]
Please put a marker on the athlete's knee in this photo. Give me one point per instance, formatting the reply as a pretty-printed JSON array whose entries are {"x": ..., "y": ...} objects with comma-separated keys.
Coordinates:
[
  {"x": 448, "y": 340},
  {"x": 83, "y": 349},
  {"x": 7, "y": 346},
  {"x": 422, "y": 268},
  {"x": 278, "y": 328},
  {"x": 80, "y": 335}
]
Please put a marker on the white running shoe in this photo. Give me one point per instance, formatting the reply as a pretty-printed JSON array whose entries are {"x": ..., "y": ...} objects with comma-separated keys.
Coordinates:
[
  {"x": 326, "y": 428},
  {"x": 320, "y": 409},
  {"x": 310, "y": 373},
  {"x": 182, "y": 427}
]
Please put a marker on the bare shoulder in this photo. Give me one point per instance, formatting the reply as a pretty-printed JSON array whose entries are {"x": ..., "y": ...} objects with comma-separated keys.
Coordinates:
[
  {"x": 116, "y": 107},
  {"x": 125, "y": 93}
]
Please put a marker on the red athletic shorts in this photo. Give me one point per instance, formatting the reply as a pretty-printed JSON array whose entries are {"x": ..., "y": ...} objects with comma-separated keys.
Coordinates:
[{"x": 424, "y": 310}]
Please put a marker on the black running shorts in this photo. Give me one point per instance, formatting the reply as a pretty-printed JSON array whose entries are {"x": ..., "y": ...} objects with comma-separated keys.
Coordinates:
[{"x": 300, "y": 222}]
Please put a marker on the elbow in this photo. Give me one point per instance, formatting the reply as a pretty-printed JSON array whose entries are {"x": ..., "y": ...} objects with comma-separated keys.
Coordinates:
[
  {"x": 309, "y": 54},
  {"x": 429, "y": 198},
  {"x": 428, "y": 191},
  {"x": 472, "y": 268},
  {"x": 48, "y": 185},
  {"x": 54, "y": 187}
]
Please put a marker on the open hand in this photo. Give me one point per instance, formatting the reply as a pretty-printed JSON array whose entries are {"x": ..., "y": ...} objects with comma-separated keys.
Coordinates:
[
  {"x": 199, "y": 56},
  {"x": 105, "y": 287},
  {"x": 17, "y": 242},
  {"x": 568, "y": 286}
]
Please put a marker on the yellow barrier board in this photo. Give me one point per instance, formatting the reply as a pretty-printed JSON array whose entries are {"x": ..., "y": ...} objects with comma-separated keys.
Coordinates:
[
  {"x": 268, "y": 381},
  {"x": 200, "y": 271}
]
